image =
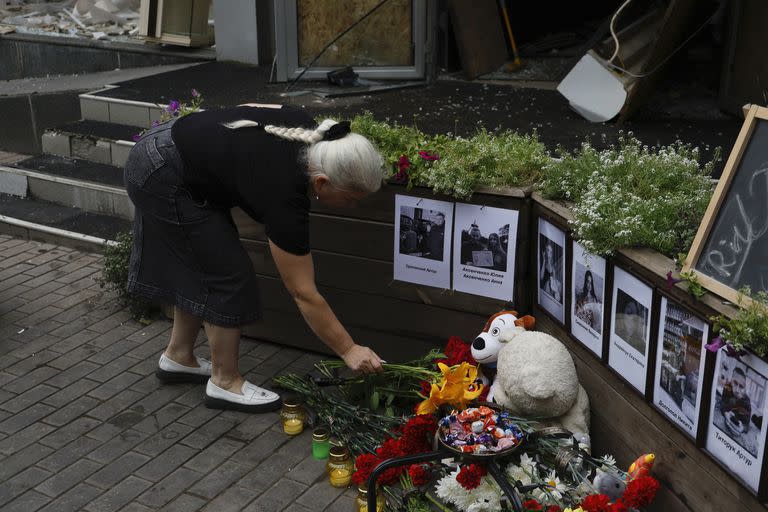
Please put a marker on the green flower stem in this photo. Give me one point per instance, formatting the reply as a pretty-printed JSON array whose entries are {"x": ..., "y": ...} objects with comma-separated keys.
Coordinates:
[{"x": 437, "y": 503}]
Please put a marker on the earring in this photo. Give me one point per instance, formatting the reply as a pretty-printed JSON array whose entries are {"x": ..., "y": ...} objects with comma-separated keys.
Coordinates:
[{"x": 317, "y": 197}]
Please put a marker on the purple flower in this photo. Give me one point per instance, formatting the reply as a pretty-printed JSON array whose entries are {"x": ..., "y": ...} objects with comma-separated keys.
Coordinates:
[
  {"x": 173, "y": 106},
  {"x": 155, "y": 123},
  {"x": 403, "y": 164},
  {"x": 430, "y": 157},
  {"x": 136, "y": 137},
  {"x": 671, "y": 281},
  {"x": 195, "y": 94},
  {"x": 717, "y": 344},
  {"x": 401, "y": 177}
]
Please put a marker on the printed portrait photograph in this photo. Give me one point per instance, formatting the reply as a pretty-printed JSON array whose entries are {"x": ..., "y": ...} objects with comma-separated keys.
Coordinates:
[
  {"x": 588, "y": 296},
  {"x": 739, "y": 401},
  {"x": 485, "y": 245},
  {"x": 681, "y": 359},
  {"x": 422, "y": 233},
  {"x": 631, "y": 321},
  {"x": 551, "y": 268}
]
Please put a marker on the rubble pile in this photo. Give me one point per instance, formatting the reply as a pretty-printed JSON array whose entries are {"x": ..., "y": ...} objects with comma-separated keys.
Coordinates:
[{"x": 93, "y": 19}]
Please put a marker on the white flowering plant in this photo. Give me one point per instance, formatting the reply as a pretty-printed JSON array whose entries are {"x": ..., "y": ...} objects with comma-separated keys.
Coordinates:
[{"x": 632, "y": 195}]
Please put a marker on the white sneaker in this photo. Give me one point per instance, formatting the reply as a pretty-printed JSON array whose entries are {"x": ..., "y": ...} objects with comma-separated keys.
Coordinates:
[
  {"x": 253, "y": 399},
  {"x": 171, "y": 372}
]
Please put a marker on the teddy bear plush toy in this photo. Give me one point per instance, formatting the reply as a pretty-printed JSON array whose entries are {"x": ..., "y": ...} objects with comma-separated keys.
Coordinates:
[{"x": 534, "y": 374}]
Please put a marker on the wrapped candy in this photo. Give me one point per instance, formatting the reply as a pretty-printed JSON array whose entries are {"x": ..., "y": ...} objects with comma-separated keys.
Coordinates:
[{"x": 479, "y": 430}]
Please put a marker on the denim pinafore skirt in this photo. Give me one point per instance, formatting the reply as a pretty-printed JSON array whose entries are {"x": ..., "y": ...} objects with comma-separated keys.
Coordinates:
[{"x": 186, "y": 252}]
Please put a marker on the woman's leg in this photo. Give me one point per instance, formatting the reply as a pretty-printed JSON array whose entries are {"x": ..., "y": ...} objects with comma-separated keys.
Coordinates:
[
  {"x": 183, "y": 336},
  {"x": 225, "y": 344}
]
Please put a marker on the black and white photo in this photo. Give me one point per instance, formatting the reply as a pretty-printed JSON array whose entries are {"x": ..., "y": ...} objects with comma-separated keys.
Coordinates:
[
  {"x": 588, "y": 299},
  {"x": 630, "y": 328},
  {"x": 737, "y": 428},
  {"x": 422, "y": 249},
  {"x": 422, "y": 232},
  {"x": 631, "y": 321},
  {"x": 484, "y": 242},
  {"x": 551, "y": 269},
  {"x": 680, "y": 365}
]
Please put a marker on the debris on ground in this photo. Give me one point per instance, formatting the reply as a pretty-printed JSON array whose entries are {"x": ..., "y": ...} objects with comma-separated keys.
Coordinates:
[{"x": 91, "y": 19}]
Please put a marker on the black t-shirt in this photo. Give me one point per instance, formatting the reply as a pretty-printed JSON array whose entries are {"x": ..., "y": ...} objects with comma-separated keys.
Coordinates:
[{"x": 249, "y": 168}]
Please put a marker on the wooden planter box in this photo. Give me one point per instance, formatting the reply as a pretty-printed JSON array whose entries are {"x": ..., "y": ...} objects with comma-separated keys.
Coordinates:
[
  {"x": 353, "y": 253},
  {"x": 625, "y": 422}
]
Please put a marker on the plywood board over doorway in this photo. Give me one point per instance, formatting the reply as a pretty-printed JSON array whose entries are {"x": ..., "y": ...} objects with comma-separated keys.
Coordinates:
[{"x": 479, "y": 35}]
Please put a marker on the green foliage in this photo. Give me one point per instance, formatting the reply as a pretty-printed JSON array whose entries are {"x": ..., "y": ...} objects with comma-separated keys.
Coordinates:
[
  {"x": 455, "y": 165},
  {"x": 504, "y": 159},
  {"x": 750, "y": 326},
  {"x": 695, "y": 287},
  {"x": 115, "y": 277},
  {"x": 632, "y": 195}
]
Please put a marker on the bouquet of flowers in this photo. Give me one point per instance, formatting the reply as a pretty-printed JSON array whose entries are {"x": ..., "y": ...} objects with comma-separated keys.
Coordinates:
[{"x": 374, "y": 416}]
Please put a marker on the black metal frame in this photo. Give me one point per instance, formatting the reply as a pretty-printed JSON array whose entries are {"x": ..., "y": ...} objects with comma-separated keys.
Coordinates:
[{"x": 492, "y": 466}]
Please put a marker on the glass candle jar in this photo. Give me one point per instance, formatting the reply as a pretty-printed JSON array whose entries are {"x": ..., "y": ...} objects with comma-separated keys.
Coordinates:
[
  {"x": 292, "y": 416},
  {"x": 339, "y": 466},
  {"x": 361, "y": 502},
  {"x": 321, "y": 443}
]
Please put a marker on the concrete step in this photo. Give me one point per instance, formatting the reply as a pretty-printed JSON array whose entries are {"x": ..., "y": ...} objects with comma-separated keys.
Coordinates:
[
  {"x": 96, "y": 141},
  {"x": 95, "y": 107},
  {"x": 87, "y": 186},
  {"x": 35, "y": 219}
]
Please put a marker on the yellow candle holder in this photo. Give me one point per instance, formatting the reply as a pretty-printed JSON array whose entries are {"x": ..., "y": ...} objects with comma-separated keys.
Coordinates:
[
  {"x": 339, "y": 467},
  {"x": 361, "y": 501},
  {"x": 292, "y": 416}
]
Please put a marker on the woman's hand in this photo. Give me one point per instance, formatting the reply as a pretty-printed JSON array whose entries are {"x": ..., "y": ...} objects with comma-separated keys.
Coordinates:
[{"x": 363, "y": 359}]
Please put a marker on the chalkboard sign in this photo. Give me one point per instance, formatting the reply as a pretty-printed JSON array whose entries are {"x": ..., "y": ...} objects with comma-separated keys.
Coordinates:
[{"x": 730, "y": 250}]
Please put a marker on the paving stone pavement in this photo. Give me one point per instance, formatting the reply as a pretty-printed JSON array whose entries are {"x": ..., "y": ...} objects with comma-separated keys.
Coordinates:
[{"x": 85, "y": 424}]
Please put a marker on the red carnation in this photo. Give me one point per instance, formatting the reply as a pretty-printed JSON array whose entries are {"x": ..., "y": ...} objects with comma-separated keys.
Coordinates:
[
  {"x": 640, "y": 492},
  {"x": 469, "y": 476},
  {"x": 389, "y": 449},
  {"x": 426, "y": 388},
  {"x": 391, "y": 476},
  {"x": 531, "y": 505},
  {"x": 417, "y": 434},
  {"x": 365, "y": 463},
  {"x": 596, "y": 503},
  {"x": 419, "y": 474},
  {"x": 619, "y": 506},
  {"x": 457, "y": 352},
  {"x": 554, "y": 508}
]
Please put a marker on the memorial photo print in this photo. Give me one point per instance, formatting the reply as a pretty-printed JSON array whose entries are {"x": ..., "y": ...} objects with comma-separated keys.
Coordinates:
[
  {"x": 588, "y": 299},
  {"x": 631, "y": 321},
  {"x": 630, "y": 328},
  {"x": 551, "y": 269},
  {"x": 737, "y": 418},
  {"x": 680, "y": 365},
  {"x": 422, "y": 252},
  {"x": 485, "y": 239}
]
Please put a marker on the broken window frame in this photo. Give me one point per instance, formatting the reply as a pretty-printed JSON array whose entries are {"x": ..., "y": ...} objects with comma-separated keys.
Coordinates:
[{"x": 287, "y": 52}]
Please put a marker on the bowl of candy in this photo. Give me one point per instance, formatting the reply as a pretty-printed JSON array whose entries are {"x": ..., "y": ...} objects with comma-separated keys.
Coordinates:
[{"x": 480, "y": 432}]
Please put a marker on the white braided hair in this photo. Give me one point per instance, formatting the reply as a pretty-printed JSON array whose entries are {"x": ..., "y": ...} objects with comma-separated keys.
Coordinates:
[{"x": 351, "y": 162}]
